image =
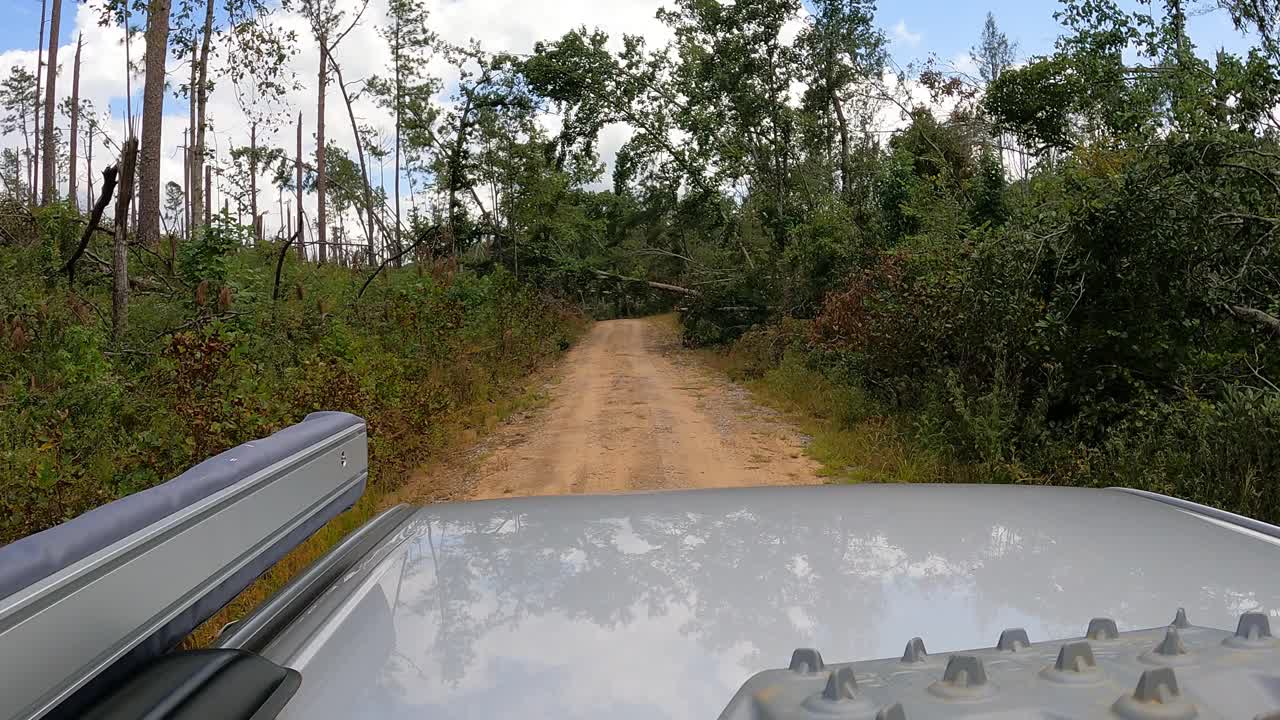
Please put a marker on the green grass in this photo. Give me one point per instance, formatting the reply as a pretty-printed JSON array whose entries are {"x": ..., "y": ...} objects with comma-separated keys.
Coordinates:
[
  {"x": 852, "y": 437},
  {"x": 460, "y": 429},
  {"x": 1200, "y": 450},
  {"x": 211, "y": 359}
]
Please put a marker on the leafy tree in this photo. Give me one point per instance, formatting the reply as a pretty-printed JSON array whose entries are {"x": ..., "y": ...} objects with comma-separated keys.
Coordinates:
[
  {"x": 840, "y": 47},
  {"x": 18, "y": 100},
  {"x": 408, "y": 92},
  {"x": 174, "y": 207},
  {"x": 1033, "y": 103},
  {"x": 1262, "y": 16},
  {"x": 994, "y": 52},
  {"x": 736, "y": 73},
  {"x": 11, "y": 170}
]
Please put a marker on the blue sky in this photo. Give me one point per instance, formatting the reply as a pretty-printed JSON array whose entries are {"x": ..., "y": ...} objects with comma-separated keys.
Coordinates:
[
  {"x": 945, "y": 27},
  {"x": 916, "y": 28},
  {"x": 22, "y": 22},
  {"x": 949, "y": 28}
]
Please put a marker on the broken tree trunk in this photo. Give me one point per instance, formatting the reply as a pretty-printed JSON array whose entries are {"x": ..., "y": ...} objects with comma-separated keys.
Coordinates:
[
  {"x": 321, "y": 181},
  {"x": 284, "y": 250},
  {"x": 35, "y": 166},
  {"x": 651, "y": 283},
  {"x": 364, "y": 169},
  {"x": 120, "y": 248},
  {"x": 253, "y": 183},
  {"x": 186, "y": 186},
  {"x": 95, "y": 217},
  {"x": 302, "y": 243},
  {"x": 72, "y": 189},
  {"x": 208, "y": 194},
  {"x": 201, "y": 92},
  {"x": 1257, "y": 317},
  {"x": 49, "y": 187}
]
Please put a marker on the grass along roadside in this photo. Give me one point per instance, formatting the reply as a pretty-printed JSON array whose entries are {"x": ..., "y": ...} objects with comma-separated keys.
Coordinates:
[
  {"x": 448, "y": 475},
  {"x": 454, "y": 433},
  {"x": 852, "y": 439}
]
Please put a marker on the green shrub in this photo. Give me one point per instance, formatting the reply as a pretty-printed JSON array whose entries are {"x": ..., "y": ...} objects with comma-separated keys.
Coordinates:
[
  {"x": 208, "y": 255},
  {"x": 59, "y": 228},
  {"x": 83, "y": 421}
]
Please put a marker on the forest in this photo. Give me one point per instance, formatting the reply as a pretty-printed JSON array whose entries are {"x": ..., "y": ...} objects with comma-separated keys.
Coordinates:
[{"x": 1060, "y": 268}]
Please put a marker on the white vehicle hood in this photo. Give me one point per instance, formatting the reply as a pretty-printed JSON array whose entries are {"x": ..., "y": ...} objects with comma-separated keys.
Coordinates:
[{"x": 662, "y": 605}]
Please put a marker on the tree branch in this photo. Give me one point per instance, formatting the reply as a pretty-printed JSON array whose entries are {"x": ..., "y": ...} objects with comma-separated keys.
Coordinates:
[
  {"x": 109, "y": 176},
  {"x": 275, "y": 287},
  {"x": 1257, "y": 317},
  {"x": 651, "y": 283},
  {"x": 422, "y": 237},
  {"x": 1274, "y": 183}
]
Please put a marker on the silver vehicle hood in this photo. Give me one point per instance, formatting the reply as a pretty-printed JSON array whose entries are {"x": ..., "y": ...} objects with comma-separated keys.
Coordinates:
[{"x": 662, "y": 605}]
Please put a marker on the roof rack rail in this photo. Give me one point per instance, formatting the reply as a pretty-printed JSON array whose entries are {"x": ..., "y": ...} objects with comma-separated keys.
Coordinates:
[{"x": 85, "y": 603}]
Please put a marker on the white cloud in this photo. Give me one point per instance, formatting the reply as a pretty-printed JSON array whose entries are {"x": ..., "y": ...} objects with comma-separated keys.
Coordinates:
[
  {"x": 965, "y": 64},
  {"x": 904, "y": 35},
  {"x": 499, "y": 25}
]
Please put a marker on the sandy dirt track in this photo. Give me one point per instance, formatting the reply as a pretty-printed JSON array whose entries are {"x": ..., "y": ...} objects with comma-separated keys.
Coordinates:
[{"x": 629, "y": 410}]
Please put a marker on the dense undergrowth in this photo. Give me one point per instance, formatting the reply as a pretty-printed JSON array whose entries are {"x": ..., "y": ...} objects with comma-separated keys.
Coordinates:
[
  {"x": 1221, "y": 451},
  {"x": 211, "y": 361},
  {"x": 1070, "y": 275}
]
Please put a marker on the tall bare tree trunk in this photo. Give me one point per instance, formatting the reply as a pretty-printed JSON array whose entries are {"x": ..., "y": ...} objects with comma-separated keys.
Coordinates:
[
  {"x": 75, "y": 126},
  {"x": 128, "y": 77},
  {"x": 120, "y": 248},
  {"x": 17, "y": 177},
  {"x": 509, "y": 192},
  {"x": 133, "y": 206},
  {"x": 89, "y": 159},
  {"x": 398, "y": 249},
  {"x": 186, "y": 185},
  {"x": 455, "y": 172},
  {"x": 49, "y": 188},
  {"x": 26, "y": 141},
  {"x": 297, "y": 162},
  {"x": 253, "y": 181},
  {"x": 208, "y": 194},
  {"x": 846, "y": 172},
  {"x": 321, "y": 181},
  {"x": 189, "y": 139},
  {"x": 201, "y": 95},
  {"x": 364, "y": 168},
  {"x": 385, "y": 241},
  {"x": 35, "y": 166},
  {"x": 152, "y": 124}
]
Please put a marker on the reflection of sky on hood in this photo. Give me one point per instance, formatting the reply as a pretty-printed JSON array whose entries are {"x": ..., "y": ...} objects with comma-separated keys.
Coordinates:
[
  {"x": 602, "y": 672},
  {"x": 663, "y": 605}
]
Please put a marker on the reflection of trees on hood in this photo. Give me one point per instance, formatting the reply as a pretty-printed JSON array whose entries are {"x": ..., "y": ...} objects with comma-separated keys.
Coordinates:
[
  {"x": 738, "y": 570},
  {"x": 749, "y": 572}
]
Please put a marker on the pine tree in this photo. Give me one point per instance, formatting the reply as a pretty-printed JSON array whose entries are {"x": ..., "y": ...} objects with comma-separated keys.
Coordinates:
[
  {"x": 152, "y": 120},
  {"x": 49, "y": 190}
]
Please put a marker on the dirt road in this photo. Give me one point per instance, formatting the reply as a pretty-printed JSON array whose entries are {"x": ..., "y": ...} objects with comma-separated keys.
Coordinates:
[{"x": 631, "y": 411}]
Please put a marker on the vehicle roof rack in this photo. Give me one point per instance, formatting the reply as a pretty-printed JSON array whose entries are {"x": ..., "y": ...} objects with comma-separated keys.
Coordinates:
[
  {"x": 1178, "y": 670},
  {"x": 91, "y": 600},
  {"x": 198, "y": 684}
]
